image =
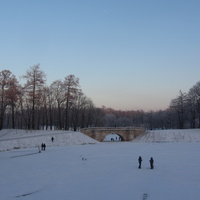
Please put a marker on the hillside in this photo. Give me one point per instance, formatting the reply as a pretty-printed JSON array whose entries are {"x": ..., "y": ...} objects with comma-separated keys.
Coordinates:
[
  {"x": 171, "y": 135},
  {"x": 15, "y": 139}
]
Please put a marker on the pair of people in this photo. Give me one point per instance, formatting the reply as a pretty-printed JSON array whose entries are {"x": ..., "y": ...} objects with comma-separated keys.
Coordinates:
[
  {"x": 43, "y": 146},
  {"x": 151, "y": 161}
]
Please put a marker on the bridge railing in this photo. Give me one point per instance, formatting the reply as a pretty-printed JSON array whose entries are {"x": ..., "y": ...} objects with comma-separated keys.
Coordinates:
[{"x": 112, "y": 128}]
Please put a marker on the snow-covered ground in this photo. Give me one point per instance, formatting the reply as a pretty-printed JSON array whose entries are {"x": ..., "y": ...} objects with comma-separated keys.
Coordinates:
[
  {"x": 173, "y": 135},
  {"x": 101, "y": 171},
  {"x": 18, "y": 139}
]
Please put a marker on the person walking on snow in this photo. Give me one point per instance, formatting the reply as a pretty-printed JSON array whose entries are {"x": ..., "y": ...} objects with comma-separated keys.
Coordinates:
[
  {"x": 140, "y": 162},
  {"x": 151, "y": 163}
]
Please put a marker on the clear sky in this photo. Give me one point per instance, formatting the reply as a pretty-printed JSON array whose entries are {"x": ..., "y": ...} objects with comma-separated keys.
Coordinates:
[{"x": 128, "y": 54}]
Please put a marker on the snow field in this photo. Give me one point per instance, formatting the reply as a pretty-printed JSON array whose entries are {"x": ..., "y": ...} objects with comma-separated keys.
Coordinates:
[
  {"x": 102, "y": 171},
  {"x": 76, "y": 167}
]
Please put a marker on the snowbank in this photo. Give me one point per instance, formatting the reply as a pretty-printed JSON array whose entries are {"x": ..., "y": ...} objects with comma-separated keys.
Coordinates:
[
  {"x": 16, "y": 139},
  {"x": 172, "y": 135}
]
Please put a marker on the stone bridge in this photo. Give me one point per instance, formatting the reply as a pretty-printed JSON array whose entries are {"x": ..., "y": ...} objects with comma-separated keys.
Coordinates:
[{"x": 126, "y": 133}]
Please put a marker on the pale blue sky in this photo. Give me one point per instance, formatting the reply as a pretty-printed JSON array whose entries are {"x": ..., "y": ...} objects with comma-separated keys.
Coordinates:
[{"x": 128, "y": 54}]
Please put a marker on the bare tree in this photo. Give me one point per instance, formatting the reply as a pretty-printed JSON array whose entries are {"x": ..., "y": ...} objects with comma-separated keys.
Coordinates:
[
  {"x": 179, "y": 105},
  {"x": 71, "y": 85},
  {"x": 45, "y": 109},
  {"x": 191, "y": 104},
  {"x": 35, "y": 80},
  {"x": 8, "y": 84},
  {"x": 81, "y": 111},
  {"x": 58, "y": 95},
  {"x": 13, "y": 96},
  {"x": 194, "y": 98},
  {"x": 88, "y": 114},
  {"x": 75, "y": 110}
]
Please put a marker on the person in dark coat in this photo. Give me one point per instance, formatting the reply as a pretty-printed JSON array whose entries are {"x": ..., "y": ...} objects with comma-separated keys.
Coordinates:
[
  {"x": 52, "y": 139},
  {"x": 44, "y": 146},
  {"x": 151, "y": 163},
  {"x": 140, "y": 162}
]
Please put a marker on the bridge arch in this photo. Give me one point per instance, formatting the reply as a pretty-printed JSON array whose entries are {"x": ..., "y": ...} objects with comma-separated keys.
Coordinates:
[
  {"x": 113, "y": 137},
  {"x": 99, "y": 133}
]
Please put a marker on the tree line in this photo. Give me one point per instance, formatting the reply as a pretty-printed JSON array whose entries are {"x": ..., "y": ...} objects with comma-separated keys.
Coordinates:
[
  {"x": 34, "y": 105},
  {"x": 62, "y": 105}
]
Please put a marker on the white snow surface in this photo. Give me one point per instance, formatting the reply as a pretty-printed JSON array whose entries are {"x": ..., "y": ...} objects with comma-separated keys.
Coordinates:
[
  {"x": 18, "y": 139},
  {"x": 173, "y": 135},
  {"x": 71, "y": 168}
]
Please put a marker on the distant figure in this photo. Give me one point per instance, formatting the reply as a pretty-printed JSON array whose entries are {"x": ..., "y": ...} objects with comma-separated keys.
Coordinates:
[
  {"x": 52, "y": 139},
  {"x": 151, "y": 163},
  {"x": 140, "y": 162},
  {"x": 44, "y": 146}
]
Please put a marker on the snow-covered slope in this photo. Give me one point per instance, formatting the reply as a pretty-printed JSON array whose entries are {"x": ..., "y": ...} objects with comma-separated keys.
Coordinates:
[
  {"x": 15, "y": 139},
  {"x": 171, "y": 135}
]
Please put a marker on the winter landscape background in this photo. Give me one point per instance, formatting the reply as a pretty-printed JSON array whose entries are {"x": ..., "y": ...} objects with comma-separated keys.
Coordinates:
[{"x": 77, "y": 167}]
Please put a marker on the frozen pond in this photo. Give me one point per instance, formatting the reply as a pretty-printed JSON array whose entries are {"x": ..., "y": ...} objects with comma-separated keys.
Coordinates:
[{"x": 102, "y": 171}]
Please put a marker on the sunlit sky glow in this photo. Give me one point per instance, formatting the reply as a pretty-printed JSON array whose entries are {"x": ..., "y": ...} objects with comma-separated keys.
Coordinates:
[{"x": 128, "y": 54}]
